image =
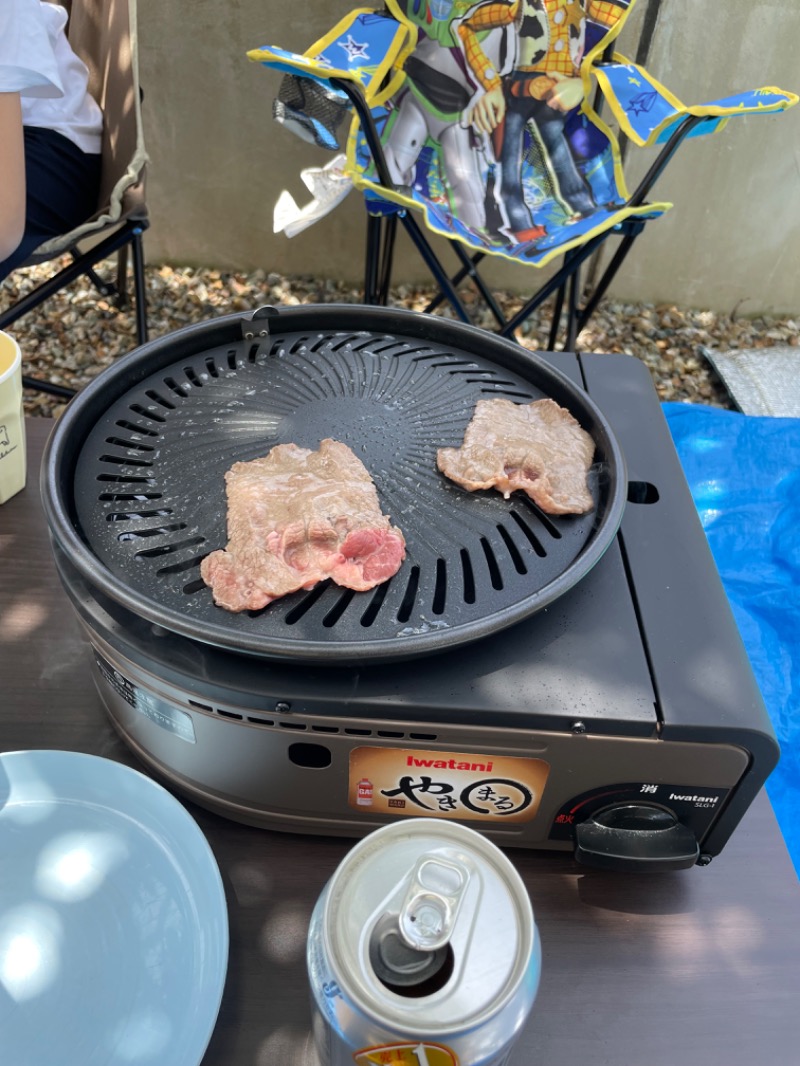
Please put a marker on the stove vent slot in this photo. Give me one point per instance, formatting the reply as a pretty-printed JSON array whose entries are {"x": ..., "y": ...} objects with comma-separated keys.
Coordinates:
[
  {"x": 145, "y": 413},
  {"x": 296, "y": 345},
  {"x": 338, "y": 609},
  {"x": 138, "y": 534},
  {"x": 342, "y": 341},
  {"x": 125, "y": 480},
  {"x": 371, "y": 613},
  {"x": 513, "y": 550},
  {"x": 299, "y": 726},
  {"x": 125, "y": 460},
  {"x": 181, "y": 568},
  {"x": 137, "y": 516},
  {"x": 141, "y": 430},
  {"x": 121, "y": 497},
  {"x": 548, "y": 524},
  {"x": 305, "y": 605},
  {"x": 440, "y": 588},
  {"x": 168, "y": 549},
  {"x": 168, "y": 405},
  {"x": 179, "y": 390},
  {"x": 469, "y": 577},
  {"x": 531, "y": 537},
  {"x": 407, "y": 606},
  {"x": 130, "y": 444},
  {"x": 491, "y": 561}
]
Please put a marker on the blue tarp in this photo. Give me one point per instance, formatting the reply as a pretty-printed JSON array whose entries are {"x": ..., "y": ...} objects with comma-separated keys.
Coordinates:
[{"x": 744, "y": 475}]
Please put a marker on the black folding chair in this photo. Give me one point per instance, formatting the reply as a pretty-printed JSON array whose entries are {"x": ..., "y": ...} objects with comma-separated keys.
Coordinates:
[{"x": 103, "y": 34}]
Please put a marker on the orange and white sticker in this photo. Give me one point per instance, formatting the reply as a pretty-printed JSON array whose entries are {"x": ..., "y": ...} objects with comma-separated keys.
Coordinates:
[
  {"x": 445, "y": 784},
  {"x": 406, "y": 1055}
]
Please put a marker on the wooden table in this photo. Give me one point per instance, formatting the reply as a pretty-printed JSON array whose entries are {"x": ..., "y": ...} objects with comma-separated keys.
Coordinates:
[{"x": 697, "y": 968}]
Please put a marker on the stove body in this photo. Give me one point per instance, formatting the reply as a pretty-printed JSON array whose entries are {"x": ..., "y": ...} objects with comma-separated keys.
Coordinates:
[{"x": 626, "y": 707}]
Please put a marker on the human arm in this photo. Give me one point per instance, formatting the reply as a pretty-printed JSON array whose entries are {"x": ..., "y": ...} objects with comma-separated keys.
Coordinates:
[{"x": 12, "y": 174}]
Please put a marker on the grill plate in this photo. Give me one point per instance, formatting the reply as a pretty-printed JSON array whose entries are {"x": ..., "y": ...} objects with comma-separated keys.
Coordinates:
[{"x": 135, "y": 491}]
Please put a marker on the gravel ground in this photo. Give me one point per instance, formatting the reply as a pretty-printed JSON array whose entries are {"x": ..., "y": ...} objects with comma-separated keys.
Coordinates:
[{"x": 76, "y": 334}]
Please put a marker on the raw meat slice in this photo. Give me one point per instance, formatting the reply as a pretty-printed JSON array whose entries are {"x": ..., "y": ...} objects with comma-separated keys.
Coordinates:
[
  {"x": 296, "y": 517},
  {"x": 537, "y": 447}
]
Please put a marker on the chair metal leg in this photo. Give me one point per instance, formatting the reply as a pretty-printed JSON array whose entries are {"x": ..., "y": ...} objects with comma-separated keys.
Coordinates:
[
  {"x": 59, "y": 391},
  {"x": 556, "y": 281},
  {"x": 387, "y": 259},
  {"x": 572, "y": 310},
  {"x": 83, "y": 265},
  {"x": 373, "y": 245},
  {"x": 139, "y": 286},
  {"x": 456, "y": 278},
  {"x": 432, "y": 262},
  {"x": 121, "y": 299},
  {"x": 469, "y": 263},
  {"x": 607, "y": 276},
  {"x": 555, "y": 321},
  {"x": 65, "y": 276}
]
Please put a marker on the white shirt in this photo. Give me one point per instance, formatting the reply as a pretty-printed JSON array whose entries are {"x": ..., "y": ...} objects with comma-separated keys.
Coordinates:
[{"x": 37, "y": 61}]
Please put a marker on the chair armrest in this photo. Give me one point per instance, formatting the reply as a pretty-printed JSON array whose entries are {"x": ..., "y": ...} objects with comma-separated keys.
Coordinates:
[
  {"x": 365, "y": 47},
  {"x": 648, "y": 113}
]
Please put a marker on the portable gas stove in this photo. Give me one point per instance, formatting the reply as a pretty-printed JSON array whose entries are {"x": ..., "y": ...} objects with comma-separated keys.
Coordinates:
[{"x": 575, "y": 683}]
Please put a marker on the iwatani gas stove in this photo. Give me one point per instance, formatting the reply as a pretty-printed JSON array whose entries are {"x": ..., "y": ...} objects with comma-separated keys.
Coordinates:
[{"x": 573, "y": 683}]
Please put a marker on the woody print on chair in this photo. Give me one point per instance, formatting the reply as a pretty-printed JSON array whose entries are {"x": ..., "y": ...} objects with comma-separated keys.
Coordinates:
[{"x": 540, "y": 90}]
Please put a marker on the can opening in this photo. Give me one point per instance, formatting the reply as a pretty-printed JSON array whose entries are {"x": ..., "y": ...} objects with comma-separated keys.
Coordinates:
[{"x": 403, "y": 969}]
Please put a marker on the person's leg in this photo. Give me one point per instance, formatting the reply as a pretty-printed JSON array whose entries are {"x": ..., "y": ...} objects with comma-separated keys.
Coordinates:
[{"x": 61, "y": 190}]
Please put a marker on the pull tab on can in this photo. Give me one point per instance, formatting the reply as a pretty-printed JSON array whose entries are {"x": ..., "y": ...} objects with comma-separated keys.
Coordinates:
[{"x": 429, "y": 910}]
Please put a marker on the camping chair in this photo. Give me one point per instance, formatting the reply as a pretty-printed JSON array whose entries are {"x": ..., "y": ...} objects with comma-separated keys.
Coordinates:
[
  {"x": 103, "y": 33},
  {"x": 541, "y": 184}
]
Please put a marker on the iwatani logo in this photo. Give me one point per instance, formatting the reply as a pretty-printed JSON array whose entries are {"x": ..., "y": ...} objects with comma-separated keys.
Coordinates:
[{"x": 693, "y": 799}]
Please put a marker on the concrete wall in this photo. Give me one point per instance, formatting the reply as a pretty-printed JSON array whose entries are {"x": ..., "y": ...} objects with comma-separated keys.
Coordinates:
[{"x": 219, "y": 161}]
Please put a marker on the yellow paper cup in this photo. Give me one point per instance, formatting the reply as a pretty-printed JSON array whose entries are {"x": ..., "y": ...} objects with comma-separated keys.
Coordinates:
[{"x": 12, "y": 423}]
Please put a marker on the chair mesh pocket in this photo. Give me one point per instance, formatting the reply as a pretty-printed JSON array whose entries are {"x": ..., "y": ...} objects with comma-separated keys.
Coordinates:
[{"x": 311, "y": 110}]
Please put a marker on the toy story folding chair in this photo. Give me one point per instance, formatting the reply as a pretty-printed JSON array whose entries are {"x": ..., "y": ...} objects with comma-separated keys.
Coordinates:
[{"x": 485, "y": 117}]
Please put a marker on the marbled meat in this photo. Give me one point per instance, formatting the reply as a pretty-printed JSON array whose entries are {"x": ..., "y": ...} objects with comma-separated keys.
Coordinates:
[
  {"x": 297, "y": 517},
  {"x": 538, "y": 448}
]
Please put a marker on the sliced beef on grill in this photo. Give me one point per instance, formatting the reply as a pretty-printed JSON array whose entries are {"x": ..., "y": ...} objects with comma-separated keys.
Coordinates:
[
  {"x": 537, "y": 447},
  {"x": 296, "y": 517}
]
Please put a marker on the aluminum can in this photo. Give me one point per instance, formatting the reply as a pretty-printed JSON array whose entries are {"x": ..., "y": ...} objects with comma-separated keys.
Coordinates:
[{"x": 422, "y": 951}]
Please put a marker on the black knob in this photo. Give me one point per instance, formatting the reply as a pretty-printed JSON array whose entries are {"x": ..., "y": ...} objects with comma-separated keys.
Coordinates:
[{"x": 635, "y": 836}]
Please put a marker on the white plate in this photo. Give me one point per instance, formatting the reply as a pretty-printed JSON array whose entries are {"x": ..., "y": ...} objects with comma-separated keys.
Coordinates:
[{"x": 113, "y": 921}]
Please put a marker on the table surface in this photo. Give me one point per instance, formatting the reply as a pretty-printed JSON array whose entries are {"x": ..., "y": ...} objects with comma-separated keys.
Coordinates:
[{"x": 689, "y": 968}]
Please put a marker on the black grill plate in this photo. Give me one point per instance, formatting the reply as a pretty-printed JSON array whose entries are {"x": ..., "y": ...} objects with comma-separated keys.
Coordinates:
[{"x": 135, "y": 492}]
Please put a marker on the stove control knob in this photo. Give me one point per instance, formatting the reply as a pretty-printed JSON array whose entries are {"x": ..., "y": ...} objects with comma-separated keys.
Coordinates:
[{"x": 635, "y": 836}]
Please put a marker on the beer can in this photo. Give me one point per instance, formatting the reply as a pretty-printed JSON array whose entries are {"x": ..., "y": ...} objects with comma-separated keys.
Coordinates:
[{"x": 422, "y": 951}]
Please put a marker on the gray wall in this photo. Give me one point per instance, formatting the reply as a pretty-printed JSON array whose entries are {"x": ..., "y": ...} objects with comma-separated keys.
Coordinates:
[{"x": 219, "y": 161}]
